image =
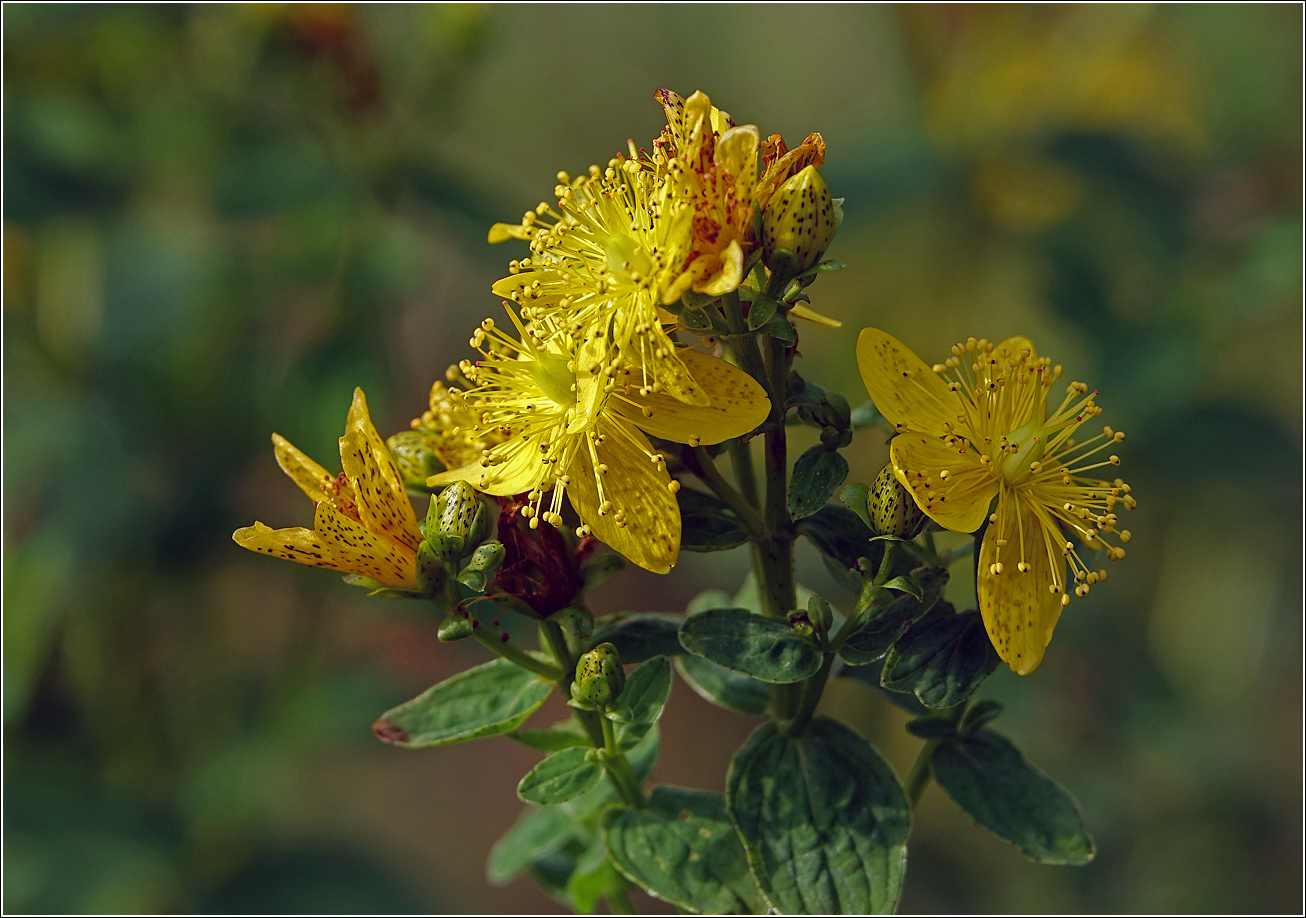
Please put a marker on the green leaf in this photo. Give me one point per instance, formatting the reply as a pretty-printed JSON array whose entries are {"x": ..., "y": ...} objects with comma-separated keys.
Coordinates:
[
  {"x": 724, "y": 688},
  {"x": 764, "y": 648},
  {"x": 820, "y": 268},
  {"x": 866, "y": 415},
  {"x": 988, "y": 777},
  {"x": 932, "y": 727},
  {"x": 643, "y": 758},
  {"x": 761, "y": 312},
  {"x": 683, "y": 849},
  {"x": 781, "y": 328},
  {"x": 905, "y": 585},
  {"x": 706, "y": 524},
  {"x": 818, "y": 472},
  {"x": 823, "y": 819},
  {"x": 639, "y": 636},
  {"x": 883, "y": 627},
  {"x": 548, "y": 740},
  {"x": 540, "y": 830},
  {"x": 854, "y": 497},
  {"x": 486, "y": 700},
  {"x": 646, "y": 692},
  {"x": 601, "y": 569},
  {"x": 942, "y": 658},
  {"x": 593, "y": 878},
  {"x": 560, "y": 777},
  {"x": 979, "y": 714}
]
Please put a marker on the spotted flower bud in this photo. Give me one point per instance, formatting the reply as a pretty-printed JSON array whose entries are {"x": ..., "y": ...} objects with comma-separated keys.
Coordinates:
[
  {"x": 456, "y": 521},
  {"x": 487, "y": 557},
  {"x": 893, "y": 511},
  {"x": 800, "y": 221},
  {"x": 414, "y": 459},
  {"x": 599, "y": 677}
]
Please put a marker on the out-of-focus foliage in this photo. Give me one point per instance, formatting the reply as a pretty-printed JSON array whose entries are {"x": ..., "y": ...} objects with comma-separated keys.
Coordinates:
[{"x": 219, "y": 220}]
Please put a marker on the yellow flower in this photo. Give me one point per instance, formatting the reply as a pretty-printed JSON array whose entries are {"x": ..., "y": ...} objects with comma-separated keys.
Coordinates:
[
  {"x": 574, "y": 420},
  {"x": 364, "y": 523},
  {"x": 979, "y": 426},
  {"x": 448, "y": 426},
  {"x": 602, "y": 262},
  {"x": 710, "y": 164}
]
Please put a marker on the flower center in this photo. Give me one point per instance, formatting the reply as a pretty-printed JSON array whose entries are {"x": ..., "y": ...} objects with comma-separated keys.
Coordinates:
[{"x": 1017, "y": 456}]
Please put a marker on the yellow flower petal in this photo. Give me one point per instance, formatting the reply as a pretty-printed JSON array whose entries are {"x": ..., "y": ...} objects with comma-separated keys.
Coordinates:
[
  {"x": 383, "y": 504},
  {"x": 337, "y": 543},
  {"x": 1019, "y": 610},
  {"x": 502, "y": 232},
  {"x": 947, "y": 482},
  {"x": 648, "y": 530},
  {"x": 739, "y": 405},
  {"x": 903, "y": 387},
  {"x": 520, "y": 471},
  {"x": 302, "y": 470},
  {"x": 799, "y": 311}
]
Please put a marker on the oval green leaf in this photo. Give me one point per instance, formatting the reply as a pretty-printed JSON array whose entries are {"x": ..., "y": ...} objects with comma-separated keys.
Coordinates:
[
  {"x": 764, "y": 648},
  {"x": 823, "y": 818},
  {"x": 818, "y": 472},
  {"x": 562, "y": 776},
  {"x": 942, "y": 658},
  {"x": 993, "y": 783},
  {"x": 540, "y": 830},
  {"x": 483, "y": 701},
  {"x": 883, "y": 627},
  {"x": 646, "y": 693},
  {"x": 683, "y": 849},
  {"x": 639, "y": 636},
  {"x": 722, "y": 687}
]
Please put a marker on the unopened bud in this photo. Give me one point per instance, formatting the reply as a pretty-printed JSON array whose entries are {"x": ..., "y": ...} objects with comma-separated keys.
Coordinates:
[
  {"x": 456, "y": 521},
  {"x": 487, "y": 557},
  {"x": 579, "y": 621},
  {"x": 455, "y": 628},
  {"x": 819, "y": 614},
  {"x": 599, "y": 677},
  {"x": 893, "y": 511},
  {"x": 800, "y": 221},
  {"x": 415, "y": 460}
]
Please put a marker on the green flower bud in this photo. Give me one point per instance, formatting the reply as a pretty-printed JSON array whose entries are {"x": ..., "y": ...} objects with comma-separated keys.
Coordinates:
[
  {"x": 430, "y": 567},
  {"x": 819, "y": 614},
  {"x": 456, "y": 521},
  {"x": 892, "y": 509},
  {"x": 800, "y": 221},
  {"x": 415, "y": 460},
  {"x": 487, "y": 557},
  {"x": 599, "y": 677},
  {"x": 455, "y": 628}
]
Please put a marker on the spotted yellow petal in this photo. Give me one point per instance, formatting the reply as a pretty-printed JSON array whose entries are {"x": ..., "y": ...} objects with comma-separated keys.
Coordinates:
[
  {"x": 638, "y": 488},
  {"x": 302, "y": 470},
  {"x": 903, "y": 387},
  {"x": 337, "y": 543},
  {"x": 520, "y": 471},
  {"x": 948, "y": 482},
  {"x": 1018, "y": 608},
  {"x": 383, "y": 504},
  {"x": 800, "y": 311},
  {"x": 739, "y": 405}
]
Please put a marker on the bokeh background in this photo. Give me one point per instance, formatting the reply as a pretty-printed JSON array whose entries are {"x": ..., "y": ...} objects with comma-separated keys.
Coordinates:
[{"x": 220, "y": 219}]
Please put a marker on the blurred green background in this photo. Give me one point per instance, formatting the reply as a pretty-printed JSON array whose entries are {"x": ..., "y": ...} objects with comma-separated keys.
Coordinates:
[{"x": 219, "y": 219}]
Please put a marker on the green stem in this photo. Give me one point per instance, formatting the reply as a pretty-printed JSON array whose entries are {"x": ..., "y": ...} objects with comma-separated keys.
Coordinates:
[
  {"x": 509, "y": 651},
  {"x": 741, "y": 460},
  {"x": 919, "y": 776},
  {"x": 813, "y": 688},
  {"x": 743, "y": 509},
  {"x": 619, "y": 770}
]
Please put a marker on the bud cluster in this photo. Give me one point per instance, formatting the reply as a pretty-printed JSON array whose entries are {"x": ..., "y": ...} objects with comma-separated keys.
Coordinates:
[{"x": 456, "y": 544}]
